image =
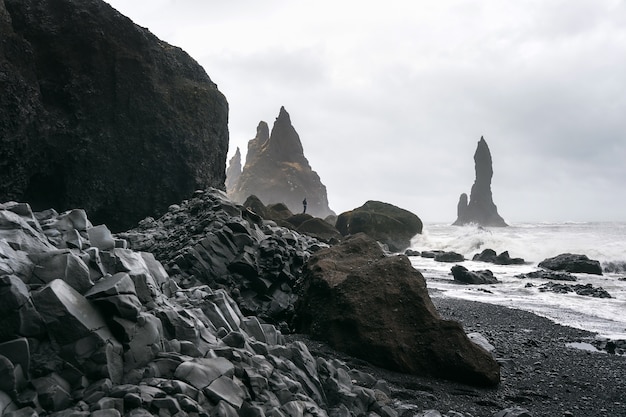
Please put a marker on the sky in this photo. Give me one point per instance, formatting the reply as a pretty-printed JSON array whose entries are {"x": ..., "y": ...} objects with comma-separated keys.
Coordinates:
[{"x": 390, "y": 98}]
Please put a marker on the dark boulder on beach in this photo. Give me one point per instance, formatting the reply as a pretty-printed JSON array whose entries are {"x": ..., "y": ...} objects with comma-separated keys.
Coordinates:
[
  {"x": 448, "y": 256},
  {"x": 276, "y": 171},
  {"x": 573, "y": 263},
  {"x": 489, "y": 255},
  {"x": 480, "y": 209},
  {"x": 98, "y": 113},
  {"x": 377, "y": 308},
  {"x": 390, "y": 225},
  {"x": 463, "y": 275}
]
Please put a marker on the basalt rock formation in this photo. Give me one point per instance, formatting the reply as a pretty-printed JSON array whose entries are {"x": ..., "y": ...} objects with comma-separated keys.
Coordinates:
[
  {"x": 98, "y": 113},
  {"x": 91, "y": 327},
  {"x": 377, "y": 308},
  {"x": 384, "y": 222},
  {"x": 480, "y": 209},
  {"x": 276, "y": 170}
]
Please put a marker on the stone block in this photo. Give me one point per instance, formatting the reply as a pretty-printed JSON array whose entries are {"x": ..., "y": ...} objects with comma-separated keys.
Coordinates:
[
  {"x": 200, "y": 372},
  {"x": 226, "y": 389},
  {"x": 68, "y": 315},
  {"x": 61, "y": 264},
  {"x": 100, "y": 237}
]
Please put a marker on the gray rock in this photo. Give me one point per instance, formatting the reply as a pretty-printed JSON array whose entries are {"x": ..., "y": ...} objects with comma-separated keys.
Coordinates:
[
  {"x": 513, "y": 412},
  {"x": 226, "y": 389},
  {"x": 61, "y": 264},
  {"x": 463, "y": 275},
  {"x": 573, "y": 263}
]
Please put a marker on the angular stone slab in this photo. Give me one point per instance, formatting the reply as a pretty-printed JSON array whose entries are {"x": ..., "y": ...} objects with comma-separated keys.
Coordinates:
[
  {"x": 62, "y": 264},
  {"x": 68, "y": 315},
  {"x": 20, "y": 235},
  {"x": 18, "y": 316},
  {"x": 120, "y": 283},
  {"x": 15, "y": 262},
  {"x": 226, "y": 389},
  {"x": 202, "y": 371},
  {"x": 100, "y": 237}
]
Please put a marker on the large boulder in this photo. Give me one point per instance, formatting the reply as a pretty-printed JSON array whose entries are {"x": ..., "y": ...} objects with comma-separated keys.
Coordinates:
[
  {"x": 480, "y": 209},
  {"x": 574, "y": 263},
  {"x": 276, "y": 170},
  {"x": 377, "y": 308},
  {"x": 92, "y": 106},
  {"x": 384, "y": 222}
]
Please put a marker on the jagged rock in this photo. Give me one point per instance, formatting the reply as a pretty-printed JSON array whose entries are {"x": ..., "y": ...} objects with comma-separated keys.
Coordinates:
[
  {"x": 339, "y": 306},
  {"x": 573, "y": 263},
  {"x": 463, "y": 275},
  {"x": 18, "y": 316},
  {"x": 61, "y": 264},
  {"x": 449, "y": 257},
  {"x": 489, "y": 255},
  {"x": 233, "y": 172},
  {"x": 586, "y": 289},
  {"x": 550, "y": 275},
  {"x": 93, "y": 105},
  {"x": 384, "y": 222},
  {"x": 276, "y": 170},
  {"x": 480, "y": 209}
]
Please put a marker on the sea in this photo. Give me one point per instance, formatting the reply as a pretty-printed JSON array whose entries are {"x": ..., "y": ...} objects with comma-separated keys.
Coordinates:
[{"x": 534, "y": 242}]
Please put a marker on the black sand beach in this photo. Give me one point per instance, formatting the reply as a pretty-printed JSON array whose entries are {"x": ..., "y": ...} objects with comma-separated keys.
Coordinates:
[{"x": 539, "y": 372}]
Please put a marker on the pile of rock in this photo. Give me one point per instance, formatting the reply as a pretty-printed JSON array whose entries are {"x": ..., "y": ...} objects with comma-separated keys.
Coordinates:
[
  {"x": 89, "y": 326},
  {"x": 211, "y": 240}
]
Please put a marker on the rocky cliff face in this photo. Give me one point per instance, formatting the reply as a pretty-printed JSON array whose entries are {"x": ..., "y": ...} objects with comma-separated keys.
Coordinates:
[
  {"x": 480, "y": 209},
  {"x": 276, "y": 170},
  {"x": 98, "y": 113}
]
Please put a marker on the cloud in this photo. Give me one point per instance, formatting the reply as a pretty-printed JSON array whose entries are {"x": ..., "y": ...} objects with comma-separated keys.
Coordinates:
[{"x": 390, "y": 100}]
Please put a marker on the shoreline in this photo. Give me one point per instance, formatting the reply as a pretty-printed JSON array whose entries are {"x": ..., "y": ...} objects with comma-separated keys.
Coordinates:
[{"x": 539, "y": 372}]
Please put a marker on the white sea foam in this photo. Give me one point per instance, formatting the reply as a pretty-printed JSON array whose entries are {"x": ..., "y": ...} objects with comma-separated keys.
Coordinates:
[{"x": 605, "y": 242}]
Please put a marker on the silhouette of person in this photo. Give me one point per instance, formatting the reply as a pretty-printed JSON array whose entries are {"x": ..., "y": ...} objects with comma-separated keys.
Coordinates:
[{"x": 304, "y": 205}]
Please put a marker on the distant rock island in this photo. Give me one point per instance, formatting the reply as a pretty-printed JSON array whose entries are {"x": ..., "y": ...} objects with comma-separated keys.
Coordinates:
[
  {"x": 276, "y": 171},
  {"x": 480, "y": 210},
  {"x": 98, "y": 113}
]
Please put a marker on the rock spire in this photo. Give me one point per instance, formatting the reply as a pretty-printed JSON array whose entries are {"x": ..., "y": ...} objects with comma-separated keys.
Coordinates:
[
  {"x": 480, "y": 209},
  {"x": 276, "y": 171},
  {"x": 233, "y": 172}
]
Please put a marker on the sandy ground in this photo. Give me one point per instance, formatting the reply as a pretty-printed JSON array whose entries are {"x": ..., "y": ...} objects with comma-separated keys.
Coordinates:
[{"x": 539, "y": 372}]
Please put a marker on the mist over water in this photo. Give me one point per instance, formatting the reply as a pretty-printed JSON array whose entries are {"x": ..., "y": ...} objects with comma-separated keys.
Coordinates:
[{"x": 534, "y": 242}]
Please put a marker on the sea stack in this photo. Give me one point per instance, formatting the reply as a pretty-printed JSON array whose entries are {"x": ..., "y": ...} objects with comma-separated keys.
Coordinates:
[
  {"x": 480, "y": 209},
  {"x": 276, "y": 171}
]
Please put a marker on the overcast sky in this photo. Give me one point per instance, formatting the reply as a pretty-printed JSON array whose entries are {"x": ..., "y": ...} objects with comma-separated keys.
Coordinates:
[{"x": 390, "y": 98}]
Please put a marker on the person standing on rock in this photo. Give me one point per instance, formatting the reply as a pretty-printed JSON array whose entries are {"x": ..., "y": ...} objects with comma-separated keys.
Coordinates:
[{"x": 304, "y": 206}]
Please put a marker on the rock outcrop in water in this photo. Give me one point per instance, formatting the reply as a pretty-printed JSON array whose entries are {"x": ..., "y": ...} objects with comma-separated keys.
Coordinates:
[
  {"x": 480, "y": 209},
  {"x": 96, "y": 112},
  {"x": 276, "y": 171}
]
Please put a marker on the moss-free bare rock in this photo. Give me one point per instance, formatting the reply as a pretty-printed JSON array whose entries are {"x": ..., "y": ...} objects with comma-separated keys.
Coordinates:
[{"x": 377, "y": 308}]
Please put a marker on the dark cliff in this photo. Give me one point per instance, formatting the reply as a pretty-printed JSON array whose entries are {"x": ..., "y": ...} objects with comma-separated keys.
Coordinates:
[
  {"x": 276, "y": 170},
  {"x": 480, "y": 209},
  {"x": 98, "y": 113}
]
